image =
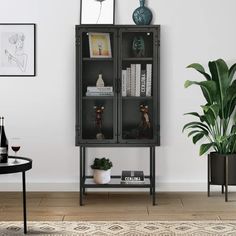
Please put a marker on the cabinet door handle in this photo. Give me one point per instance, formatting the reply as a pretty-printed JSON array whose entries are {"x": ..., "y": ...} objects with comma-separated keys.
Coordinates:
[
  {"x": 116, "y": 86},
  {"x": 119, "y": 85}
]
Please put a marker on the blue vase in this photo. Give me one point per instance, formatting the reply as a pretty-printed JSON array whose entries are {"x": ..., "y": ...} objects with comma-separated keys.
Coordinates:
[{"x": 142, "y": 15}]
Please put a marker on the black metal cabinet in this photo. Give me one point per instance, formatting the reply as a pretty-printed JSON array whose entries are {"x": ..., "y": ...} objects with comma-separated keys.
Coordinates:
[{"x": 121, "y": 117}]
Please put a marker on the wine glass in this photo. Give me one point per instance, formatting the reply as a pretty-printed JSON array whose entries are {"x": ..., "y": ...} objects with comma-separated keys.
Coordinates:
[{"x": 15, "y": 146}]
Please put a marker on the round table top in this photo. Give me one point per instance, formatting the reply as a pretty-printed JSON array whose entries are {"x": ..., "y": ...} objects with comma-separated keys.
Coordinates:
[{"x": 22, "y": 164}]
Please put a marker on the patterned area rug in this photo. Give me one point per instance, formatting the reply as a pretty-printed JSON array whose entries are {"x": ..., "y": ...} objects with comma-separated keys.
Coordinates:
[{"x": 121, "y": 228}]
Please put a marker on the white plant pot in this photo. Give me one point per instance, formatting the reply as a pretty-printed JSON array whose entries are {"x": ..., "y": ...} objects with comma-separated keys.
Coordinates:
[{"x": 102, "y": 176}]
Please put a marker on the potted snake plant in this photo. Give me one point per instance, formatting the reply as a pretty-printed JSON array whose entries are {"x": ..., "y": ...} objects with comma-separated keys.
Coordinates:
[
  {"x": 217, "y": 121},
  {"x": 101, "y": 170}
]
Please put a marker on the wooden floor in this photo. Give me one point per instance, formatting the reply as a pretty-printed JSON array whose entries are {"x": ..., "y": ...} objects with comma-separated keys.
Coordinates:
[{"x": 118, "y": 206}]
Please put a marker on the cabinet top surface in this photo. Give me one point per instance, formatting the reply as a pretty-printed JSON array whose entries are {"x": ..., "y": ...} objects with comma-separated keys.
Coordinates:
[{"x": 117, "y": 26}]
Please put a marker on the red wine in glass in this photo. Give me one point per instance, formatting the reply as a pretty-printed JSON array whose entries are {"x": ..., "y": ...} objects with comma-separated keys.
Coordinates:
[{"x": 15, "y": 148}]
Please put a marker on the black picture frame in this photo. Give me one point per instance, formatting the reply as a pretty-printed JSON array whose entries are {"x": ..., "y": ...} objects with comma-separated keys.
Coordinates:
[
  {"x": 111, "y": 20},
  {"x": 17, "y": 49}
]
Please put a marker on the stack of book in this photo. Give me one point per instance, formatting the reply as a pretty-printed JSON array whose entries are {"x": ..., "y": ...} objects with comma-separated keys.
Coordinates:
[
  {"x": 99, "y": 91},
  {"x": 137, "y": 82},
  {"x": 132, "y": 177}
]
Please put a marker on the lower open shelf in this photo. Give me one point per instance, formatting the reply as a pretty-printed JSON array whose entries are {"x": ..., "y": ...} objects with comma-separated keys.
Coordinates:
[{"x": 114, "y": 183}]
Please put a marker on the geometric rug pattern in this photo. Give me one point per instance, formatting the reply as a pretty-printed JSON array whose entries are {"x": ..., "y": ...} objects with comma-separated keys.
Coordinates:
[{"x": 121, "y": 228}]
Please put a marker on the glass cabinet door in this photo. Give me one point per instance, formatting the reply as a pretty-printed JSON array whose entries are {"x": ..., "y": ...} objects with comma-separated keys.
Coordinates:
[
  {"x": 97, "y": 99},
  {"x": 138, "y": 66}
]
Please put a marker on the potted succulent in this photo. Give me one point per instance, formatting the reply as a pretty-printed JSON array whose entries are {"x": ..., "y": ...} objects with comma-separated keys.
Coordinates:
[
  {"x": 217, "y": 121},
  {"x": 101, "y": 170}
]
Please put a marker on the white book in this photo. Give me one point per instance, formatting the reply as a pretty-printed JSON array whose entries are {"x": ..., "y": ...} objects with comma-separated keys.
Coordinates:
[
  {"x": 149, "y": 80},
  {"x": 99, "y": 89},
  {"x": 124, "y": 83},
  {"x": 143, "y": 83},
  {"x": 128, "y": 80},
  {"x": 132, "y": 77},
  {"x": 137, "y": 79}
]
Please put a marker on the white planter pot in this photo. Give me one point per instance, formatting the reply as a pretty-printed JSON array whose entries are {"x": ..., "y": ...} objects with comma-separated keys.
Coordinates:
[{"x": 102, "y": 176}]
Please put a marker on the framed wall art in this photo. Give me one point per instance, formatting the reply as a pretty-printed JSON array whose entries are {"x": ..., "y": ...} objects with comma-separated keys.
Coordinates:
[
  {"x": 99, "y": 45},
  {"x": 97, "y": 12},
  {"x": 17, "y": 49}
]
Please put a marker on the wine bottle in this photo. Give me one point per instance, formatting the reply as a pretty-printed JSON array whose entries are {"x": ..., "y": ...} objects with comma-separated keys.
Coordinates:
[{"x": 3, "y": 143}]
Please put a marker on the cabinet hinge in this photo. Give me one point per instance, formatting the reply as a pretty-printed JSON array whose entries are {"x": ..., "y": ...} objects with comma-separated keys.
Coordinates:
[
  {"x": 77, "y": 41},
  {"x": 156, "y": 41},
  {"x": 77, "y": 130}
]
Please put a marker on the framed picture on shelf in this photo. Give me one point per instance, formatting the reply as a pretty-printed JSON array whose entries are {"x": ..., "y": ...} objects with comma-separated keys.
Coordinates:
[
  {"x": 97, "y": 12},
  {"x": 17, "y": 49},
  {"x": 99, "y": 45}
]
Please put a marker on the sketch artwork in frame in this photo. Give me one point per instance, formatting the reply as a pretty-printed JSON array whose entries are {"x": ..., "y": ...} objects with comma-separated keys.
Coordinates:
[
  {"x": 17, "y": 49},
  {"x": 97, "y": 12},
  {"x": 99, "y": 45}
]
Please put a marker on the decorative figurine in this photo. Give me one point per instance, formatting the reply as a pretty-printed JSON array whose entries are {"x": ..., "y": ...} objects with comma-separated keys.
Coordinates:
[
  {"x": 98, "y": 121},
  {"x": 145, "y": 125},
  {"x": 138, "y": 46},
  {"x": 142, "y": 15},
  {"x": 100, "y": 82}
]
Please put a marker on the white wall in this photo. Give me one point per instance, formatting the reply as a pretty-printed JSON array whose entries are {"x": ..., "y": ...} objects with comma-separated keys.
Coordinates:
[{"x": 42, "y": 109}]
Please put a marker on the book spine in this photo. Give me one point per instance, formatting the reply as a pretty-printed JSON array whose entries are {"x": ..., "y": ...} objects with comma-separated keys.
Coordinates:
[
  {"x": 143, "y": 84},
  {"x": 133, "y": 73},
  {"x": 137, "y": 79},
  {"x": 132, "y": 182},
  {"x": 124, "y": 83},
  {"x": 128, "y": 80},
  {"x": 149, "y": 80},
  {"x": 133, "y": 178}
]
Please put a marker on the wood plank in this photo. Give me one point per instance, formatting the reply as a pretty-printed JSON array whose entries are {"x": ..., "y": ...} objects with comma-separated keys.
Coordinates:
[{"x": 118, "y": 206}]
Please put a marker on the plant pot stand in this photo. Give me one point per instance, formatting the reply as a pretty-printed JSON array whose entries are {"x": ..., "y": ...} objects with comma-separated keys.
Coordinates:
[{"x": 224, "y": 171}]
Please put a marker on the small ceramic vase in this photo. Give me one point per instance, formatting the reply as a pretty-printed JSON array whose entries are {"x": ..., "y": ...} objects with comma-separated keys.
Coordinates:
[
  {"x": 100, "y": 82},
  {"x": 142, "y": 15}
]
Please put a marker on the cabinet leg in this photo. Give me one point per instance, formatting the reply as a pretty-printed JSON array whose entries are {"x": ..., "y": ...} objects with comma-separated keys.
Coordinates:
[
  {"x": 153, "y": 177},
  {"x": 84, "y": 164},
  {"x": 81, "y": 176},
  {"x": 151, "y": 172}
]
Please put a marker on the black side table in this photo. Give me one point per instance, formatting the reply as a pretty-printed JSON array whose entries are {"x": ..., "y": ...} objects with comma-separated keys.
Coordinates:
[{"x": 22, "y": 165}]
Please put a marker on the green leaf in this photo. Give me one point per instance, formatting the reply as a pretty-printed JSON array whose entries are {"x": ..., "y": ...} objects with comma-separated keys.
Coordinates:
[
  {"x": 194, "y": 132},
  {"x": 197, "y": 137},
  {"x": 196, "y": 124},
  {"x": 200, "y": 69},
  {"x": 212, "y": 111},
  {"x": 208, "y": 89},
  {"x": 230, "y": 100},
  {"x": 197, "y": 131},
  {"x": 232, "y": 71},
  {"x": 219, "y": 71},
  {"x": 205, "y": 147},
  {"x": 193, "y": 114}
]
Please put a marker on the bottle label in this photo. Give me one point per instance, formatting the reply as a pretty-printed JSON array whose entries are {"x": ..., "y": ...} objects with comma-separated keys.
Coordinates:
[{"x": 3, "y": 150}]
